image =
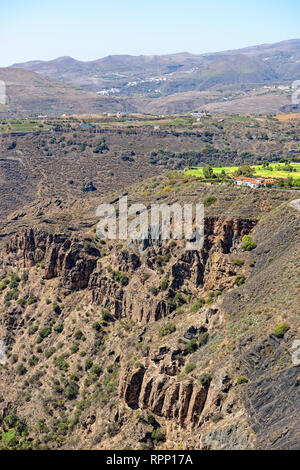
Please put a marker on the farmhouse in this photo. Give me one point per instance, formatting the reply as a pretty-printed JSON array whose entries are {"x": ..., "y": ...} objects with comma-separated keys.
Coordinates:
[{"x": 253, "y": 182}]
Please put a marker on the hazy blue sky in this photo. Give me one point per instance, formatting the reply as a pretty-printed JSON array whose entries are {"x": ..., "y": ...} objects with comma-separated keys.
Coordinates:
[{"x": 90, "y": 29}]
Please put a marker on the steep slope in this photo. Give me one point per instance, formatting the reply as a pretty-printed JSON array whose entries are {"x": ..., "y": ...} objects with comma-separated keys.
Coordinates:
[{"x": 110, "y": 347}]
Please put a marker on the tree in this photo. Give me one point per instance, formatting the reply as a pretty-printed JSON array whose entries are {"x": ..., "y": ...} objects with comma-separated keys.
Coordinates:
[
  {"x": 244, "y": 170},
  {"x": 208, "y": 172}
]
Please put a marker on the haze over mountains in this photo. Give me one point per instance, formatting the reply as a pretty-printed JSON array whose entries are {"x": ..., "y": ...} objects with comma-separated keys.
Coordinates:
[
  {"x": 177, "y": 72},
  {"x": 174, "y": 83}
]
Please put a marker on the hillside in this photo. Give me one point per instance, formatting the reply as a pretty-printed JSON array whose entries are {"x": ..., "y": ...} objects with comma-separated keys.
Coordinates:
[
  {"x": 58, "y": 156},
  {"x": 183, "y": 71},
  {"x": 29, "y": 93},
  {"x": 115, "y": 344},
  {"x": 111, "y": 348},
  {"x": 229, "y": 81}
]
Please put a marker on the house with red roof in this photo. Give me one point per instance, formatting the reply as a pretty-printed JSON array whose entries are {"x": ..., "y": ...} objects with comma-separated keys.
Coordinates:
[{"x": 252, "y": 182}]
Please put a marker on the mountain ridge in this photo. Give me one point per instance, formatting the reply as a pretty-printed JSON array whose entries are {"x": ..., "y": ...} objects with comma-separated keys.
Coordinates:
[
  {"x": 226, "y": 51},
  {"x": 258, "y": 78}
]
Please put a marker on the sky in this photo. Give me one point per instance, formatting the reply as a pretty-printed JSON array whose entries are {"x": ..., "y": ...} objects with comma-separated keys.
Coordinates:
[{"x": 91, "y": 29}]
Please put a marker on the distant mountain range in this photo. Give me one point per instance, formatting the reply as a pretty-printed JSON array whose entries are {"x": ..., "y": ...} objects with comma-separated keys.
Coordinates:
[
  {"x": 164, "y": 83},
  {"x": 181, "y": 72}
]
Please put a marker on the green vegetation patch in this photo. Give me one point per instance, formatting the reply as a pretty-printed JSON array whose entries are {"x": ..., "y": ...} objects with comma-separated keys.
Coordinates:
[
  {"x": 281, "y": 329},
  {"x": 166, "y": 329}
]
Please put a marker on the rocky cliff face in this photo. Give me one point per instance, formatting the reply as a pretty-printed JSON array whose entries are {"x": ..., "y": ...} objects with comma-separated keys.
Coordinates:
[
  {"x": 163, "y": 395},
  {"x": 70, "y": 259},
  {"x": 117, "y": 346},
  {"x": 74, "y": 261}
]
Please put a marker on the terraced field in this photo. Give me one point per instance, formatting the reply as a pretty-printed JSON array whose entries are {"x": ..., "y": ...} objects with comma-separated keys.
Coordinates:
[{"x": 275, "y": 170}]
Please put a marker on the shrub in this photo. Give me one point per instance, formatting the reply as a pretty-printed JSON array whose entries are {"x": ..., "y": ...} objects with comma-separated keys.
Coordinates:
[
  {"x": 96, "y": 326},
  {"x": 96, "y": 370},
  {"x": 49, "y": 352},
  {"x": 71, "y": 390},
  {"x": 241, "y": 380},
  {"x": 14, "y": 280},
  {"x": 152, "y": 421},
  {"x": 59, "y": 328},
  {"x": 4, "y": 284},
  {"x": 106, "y": 316},
  {"x": 209, "y": 201},
  {"x": 11, "y": 295},
  {"x": 239, "y": 280},
  {"x": 189, "y": 367},
  {"x": 44, "y": 332},
  {"x": 179, "y": 299},
  {"x": 191, "y": 346},
  {"x": 120, "y": 277},
  {"x": 163, "y": 259},
  {"x": 205, "y": 379},
  {"x": 166, "y": 329},
  {"x": 281, "y": 329},
  {"x": 158, "y": 435},
  {"x": 61, "y": 363},
  {"x": 164, "y": 285},
  {"x": 203, "y": 338},
  {"x": 238, "y": 262},
  {"x": 171, "y": 303},
  {"x": 247, "y": 243},
  {"x": 199, "y": 304},
  {"x": 126, "y": 158},
  {"x": 32, "y": 330},
  {"x": 78, "y": 334},
  {"x": 74, "y": 377},
  {"x": 153, "y": 290},
  {"x": 88, "y": 364},
  {"x": 32, "y": 299},
  {"x": 74, "y": 348},
  {"x": 56, "y": 308},
  {"x": 217, "y": 293},
  {"x": 33, "y": 360},
  {"x": 9, "y": 439},
  {"x": 21, "y": 370},
  {"x": 101, "y": 146}
]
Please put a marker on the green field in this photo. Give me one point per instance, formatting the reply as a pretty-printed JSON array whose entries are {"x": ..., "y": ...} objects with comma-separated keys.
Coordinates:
[
  {"x": 276, "y": 171},
  {"x": 22, "y": 125}
]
